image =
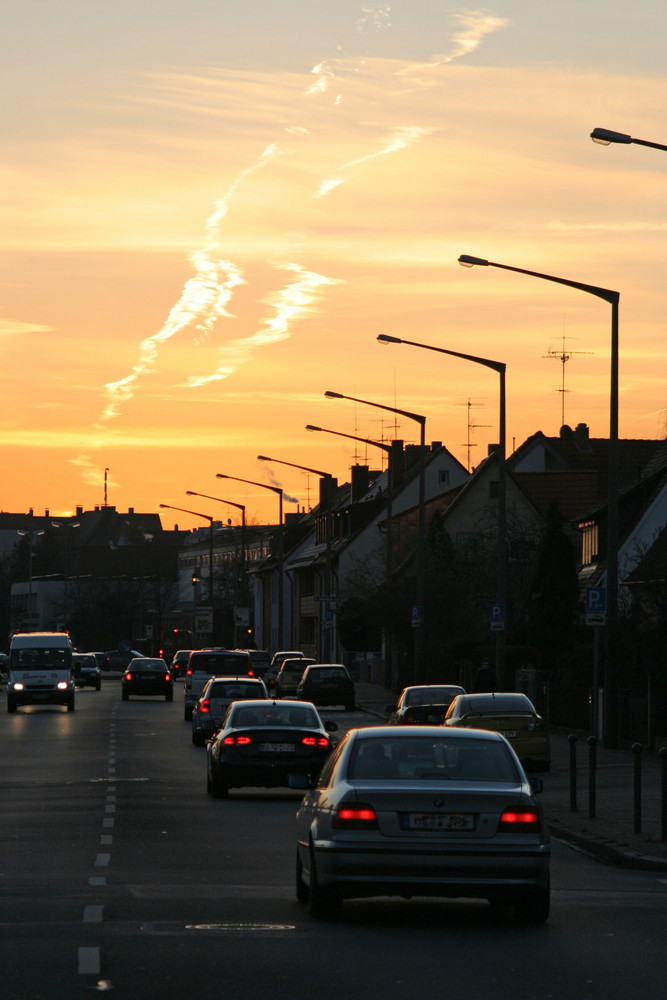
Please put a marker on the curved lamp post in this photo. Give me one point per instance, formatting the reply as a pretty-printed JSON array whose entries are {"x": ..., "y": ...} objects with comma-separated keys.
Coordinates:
[
  {"x": 241, "y": 507},
  {"x": 419, "y": 616},
  {"x": 605, "y": 137},
  {"x": 278, "y": 490},
  {"x": 501, "y": 573},
  {"x": 326, "y": 638},
  {"x": 209, "y": 518},
  {"x": 612, "y": 297}
]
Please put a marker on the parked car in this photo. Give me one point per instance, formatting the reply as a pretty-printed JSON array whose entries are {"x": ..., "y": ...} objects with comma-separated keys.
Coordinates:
[
  {"x": 214, "y": 662},
  {"x": 422, "y": 811},
  {"x": 276, "y": 664},
  {"x": 423, "y": 704},
  {"x": 327, "y": 684},
  {"x": 217, "y": 696},
  {"x": 262, "y": 743},
  {"x": 510, "y": 713},
  {"x": 86, "y": 671},
  {"x": 147, "y": 675},
  {"x": 290, "y": 674},
  {"x": 179, "y": 663}
]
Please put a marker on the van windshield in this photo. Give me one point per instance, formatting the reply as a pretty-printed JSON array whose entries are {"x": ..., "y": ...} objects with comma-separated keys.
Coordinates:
[{"x": 40, "y": 658}]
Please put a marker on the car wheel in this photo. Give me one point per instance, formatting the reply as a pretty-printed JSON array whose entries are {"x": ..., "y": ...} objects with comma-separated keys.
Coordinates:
[
  {"x": 349, "y": 707},
  {"x": 187, "y": 714},
  {"x": 197, "y": 739},
  {"x": 323, "y": 903},
  {"x": 125, "y": 696},
  {"x": 11, "y": 706},
  {"x": 219, "y": 789},
  {"x": 532, "y": 906},
  {"x": 302, "y": 890},
  {"x": 98, "y": 686},
  {"x": 70, "y": 705},
  {"x": 169, "y": 697}
]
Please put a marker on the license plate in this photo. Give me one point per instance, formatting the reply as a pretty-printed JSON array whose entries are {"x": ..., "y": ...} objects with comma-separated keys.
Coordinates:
[
  {"x": 41, "y": 696},
  {"x": 276, "y": 747},
  {"x": 438, "y": 821},
  {"x": 509, "y": 734}
]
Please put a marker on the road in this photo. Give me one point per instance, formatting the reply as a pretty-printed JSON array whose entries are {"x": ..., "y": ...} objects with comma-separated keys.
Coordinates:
[{"x": 119, "y": 874}]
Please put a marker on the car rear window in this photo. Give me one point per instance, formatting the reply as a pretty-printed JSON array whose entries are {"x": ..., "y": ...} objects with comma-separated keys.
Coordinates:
[
  {"x": 426, "y": 759},
  {"x": 236, "y": 691},
  {"x": 327, "y": 673},
  {"x": 219, "y": 663},
  {"x": 497, "y": 704}
]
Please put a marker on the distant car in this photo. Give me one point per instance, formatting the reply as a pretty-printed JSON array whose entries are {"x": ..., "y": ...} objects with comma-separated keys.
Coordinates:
[
  {"x": 4, "y": 663},
  {"x": 422, "y": 811},
  {"x": 213, "y": 662},
  {"x": 510, "y": 713},
  {"x": 86, "y": 671},
  {"x": 115, "y": 660},
  {"x": 290, "y": 674},
  {"x": 327, "y": 684},
  {"x": 179, "y": 662},
  {"x": 217, "y": 696},
  {"x": 277, "y": 662},
  {"x": 260, "y": 659},
  {"x": 263, "y": 743},
  {"x": 423, "y": 704},
  {"x": 147, "y": 675}
]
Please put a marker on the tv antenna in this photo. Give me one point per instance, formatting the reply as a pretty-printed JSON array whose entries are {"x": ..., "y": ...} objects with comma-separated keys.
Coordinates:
[
  {"x": 563, "y": 356},
  {"x": 105, "y": 486},
  {"x": 471, "y": 427}
]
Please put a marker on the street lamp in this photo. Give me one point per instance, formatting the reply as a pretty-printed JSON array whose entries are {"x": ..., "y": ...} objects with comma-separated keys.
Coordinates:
[
  {"x": 605, "y": 137},
  {"x": 612, "y": 297},
  {"x": 418, "y": 619},
  {"x": 281, "y": 544},
  {"x": 326, "y": 638},
  {"x": 30, "y": 536},
  {"x": 389, "y": 543},
  {"x": 209, "y": 518},
  {"x": 241, "y": 507},
  {"x": 59, "y": 524},
  {"x": 501, "y": 555}
]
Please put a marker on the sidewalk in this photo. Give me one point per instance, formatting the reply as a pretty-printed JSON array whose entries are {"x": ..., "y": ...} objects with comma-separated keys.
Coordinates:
[{"x": 608, "y": 836}]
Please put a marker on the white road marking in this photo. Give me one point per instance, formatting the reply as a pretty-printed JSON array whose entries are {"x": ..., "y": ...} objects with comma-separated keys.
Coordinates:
[
  {"x": 102, "y": 860},
  {"x": 89, "y": 961},
  {"x": 92, "y": 914}
]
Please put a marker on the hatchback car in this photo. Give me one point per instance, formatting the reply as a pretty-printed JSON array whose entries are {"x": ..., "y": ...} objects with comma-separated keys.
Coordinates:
[
  {"x": 513, "y": 715},
  {"x": 217, "y": 696},
  {"x": 179, "y": 663},
  {"x": 327, "y": 684},
  {"x": 276, "y": 663},
  {"x": 147, "y": 675},
  {"x": 214, "y": 662},
  {"x": 86, "y": 671},
  {"x": 423, "y": 704},
  {"x": 290, "y": 674},
  {"x": 422, "y": 811},
  {"x": 260, "y": 659},
  {"x": 264, "y": 743}
]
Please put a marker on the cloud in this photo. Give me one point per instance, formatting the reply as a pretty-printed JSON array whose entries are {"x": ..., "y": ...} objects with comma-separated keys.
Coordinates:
[{"x": 16, "y": 328}]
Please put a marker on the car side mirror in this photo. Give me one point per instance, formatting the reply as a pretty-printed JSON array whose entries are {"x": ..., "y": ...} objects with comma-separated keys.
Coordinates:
[
  {"x": 537, "y": 785},
  {"x": 331, "y": 726}
]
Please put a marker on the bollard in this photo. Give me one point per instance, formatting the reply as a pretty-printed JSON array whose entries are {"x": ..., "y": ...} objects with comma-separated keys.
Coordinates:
[
  {"x": 637, "y": 751},
  {"x": 592, "y": 762},
  {"x": 662, "y": 754},
  {"x": 572, "y": 740}
]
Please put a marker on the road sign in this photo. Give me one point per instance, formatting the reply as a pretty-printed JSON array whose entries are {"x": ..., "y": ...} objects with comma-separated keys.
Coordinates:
[
  {"x": 497, "y": 617},
  {"x": 416, "y": 615},
  {"x": 204, "y": 620},
  {"x": 595, "y": 600}
]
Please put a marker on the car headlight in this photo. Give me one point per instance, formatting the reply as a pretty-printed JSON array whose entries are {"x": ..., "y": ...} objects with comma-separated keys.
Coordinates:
[{"x": 63, "y": 685}]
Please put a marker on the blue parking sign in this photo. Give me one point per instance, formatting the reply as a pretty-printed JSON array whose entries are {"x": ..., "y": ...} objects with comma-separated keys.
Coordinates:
[{"x": 596, "y": 600}]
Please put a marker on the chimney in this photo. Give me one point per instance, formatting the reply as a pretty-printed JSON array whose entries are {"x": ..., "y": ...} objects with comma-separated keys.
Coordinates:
[
  {"x": 328, "y": 486},
  {"x": 130, "y": 510},
  {"x": 397, "y": 461},
  {"x": 79, "y": 511},
  {"x": 360, "y": 481}
]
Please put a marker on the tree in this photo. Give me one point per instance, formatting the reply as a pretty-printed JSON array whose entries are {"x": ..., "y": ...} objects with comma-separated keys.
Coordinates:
[{"x": 554, "y": 611}]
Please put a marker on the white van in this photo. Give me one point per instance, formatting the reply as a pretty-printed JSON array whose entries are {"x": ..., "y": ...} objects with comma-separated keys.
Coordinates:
[{"x": 40, "y": 670}]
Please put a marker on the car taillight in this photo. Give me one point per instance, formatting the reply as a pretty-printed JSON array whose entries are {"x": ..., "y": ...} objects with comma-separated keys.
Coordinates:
[
  {"x": 357, "y": 816},
  {"x": 240, "y": 741},
  {"x": 188, "y": 672},
  {"x": 167, "y": 676},
  {"x": 128, "y": 677},
  {"x": 518, "y": 821},
  {"x": 535, "y": 727},
  {"x": 315, "y": 741},
  {"x": 205, "y": 706}
]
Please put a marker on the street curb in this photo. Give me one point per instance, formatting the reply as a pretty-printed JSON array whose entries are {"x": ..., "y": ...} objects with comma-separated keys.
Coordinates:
[{"x": 607, "y": 853}]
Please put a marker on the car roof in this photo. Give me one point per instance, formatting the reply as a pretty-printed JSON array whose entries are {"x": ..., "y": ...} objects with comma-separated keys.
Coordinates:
[
  {"x": 407, "y": 732},
  {"x": 488, "y": 701}
]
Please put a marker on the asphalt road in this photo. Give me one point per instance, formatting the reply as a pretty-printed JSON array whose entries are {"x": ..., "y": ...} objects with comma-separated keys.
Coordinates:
[{"x": 119, "y": 874}]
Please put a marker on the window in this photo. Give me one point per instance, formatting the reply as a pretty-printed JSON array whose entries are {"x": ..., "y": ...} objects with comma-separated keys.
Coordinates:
[{"x": 443, "y": 477}]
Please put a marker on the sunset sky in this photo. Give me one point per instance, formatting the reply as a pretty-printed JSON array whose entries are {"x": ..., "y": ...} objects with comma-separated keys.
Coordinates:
[{"x": 211, "y": 208}]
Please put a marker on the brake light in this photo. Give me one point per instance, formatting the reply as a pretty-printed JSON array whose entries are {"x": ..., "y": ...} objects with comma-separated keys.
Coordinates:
[
  {"x": 240, "y": 741},
  {"x": 315, "y": 741},
  {"x": 167, "y": 676},
  {"x": 205, "y": 706},
  {"x": 188, "y": 672},
  {"x": 358, "y": 816},
  {"x": 128, "y": 676},
  {"x": 514, "y": 820}
]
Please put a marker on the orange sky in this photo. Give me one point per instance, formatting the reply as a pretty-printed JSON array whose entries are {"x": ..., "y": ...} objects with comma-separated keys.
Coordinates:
[{"x": 204, "y": 231}]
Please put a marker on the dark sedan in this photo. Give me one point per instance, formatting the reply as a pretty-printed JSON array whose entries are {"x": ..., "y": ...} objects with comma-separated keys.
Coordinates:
[
  {"x": 423, "y": 704},
  {"x": 265, "y": 743},
  {"x": 86, "y": 671},
  {"x": 147, "y": 675},
  {"x": 327, "y": 684}
]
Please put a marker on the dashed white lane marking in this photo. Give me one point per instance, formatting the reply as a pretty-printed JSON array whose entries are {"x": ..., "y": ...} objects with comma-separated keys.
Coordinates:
[
  {"x": 108, "y": 822},
  {"x": 92, "y": 914},
  {"x": 102, "y": 860},
  {"x": 97, "y": 880},
  {"x": 106, "y": 840},
  {"x": 89, "y": 961},
  {"x": 110, "y": 809}
]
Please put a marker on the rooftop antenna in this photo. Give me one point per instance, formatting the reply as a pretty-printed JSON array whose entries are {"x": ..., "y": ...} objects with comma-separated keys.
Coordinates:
[
  {"x": 105, "y": 487},
  {"x": 471, "y": 426},
  {"x": 563, "y": 356}
]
